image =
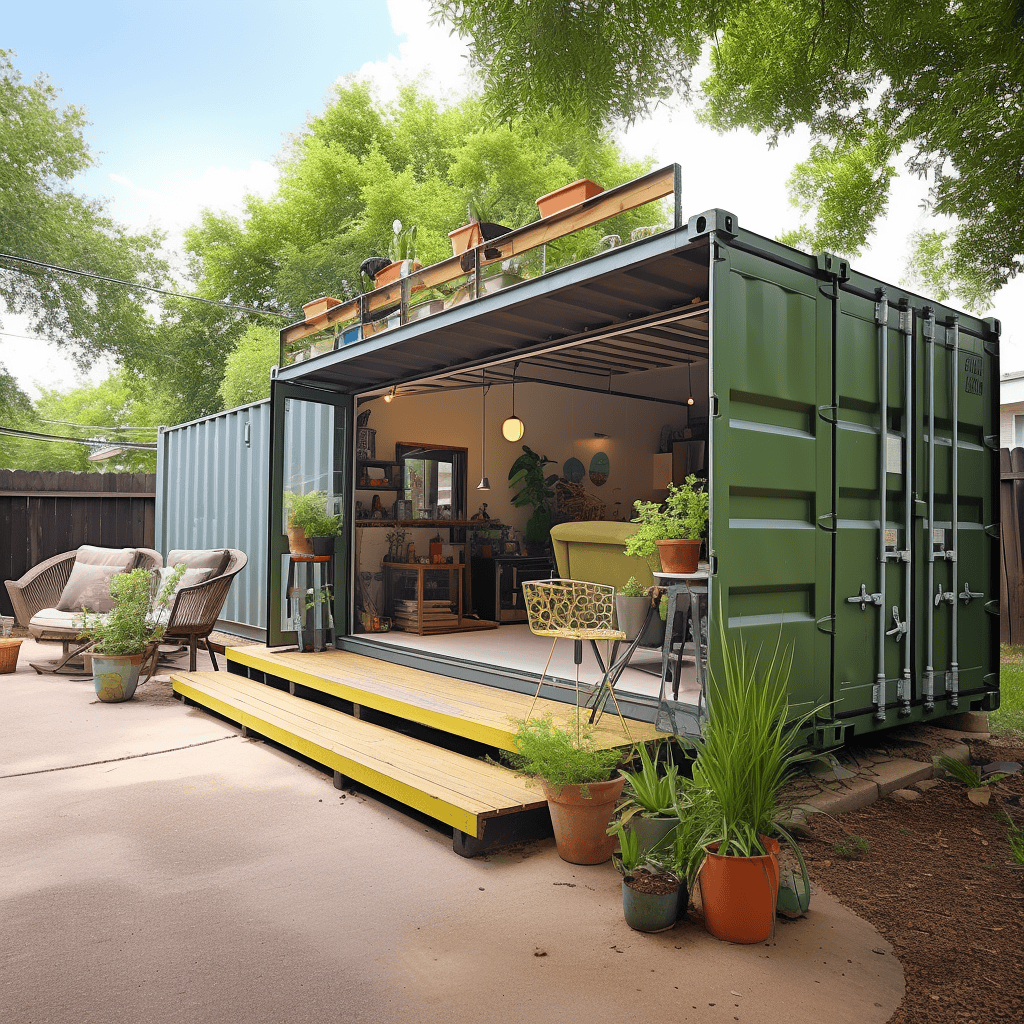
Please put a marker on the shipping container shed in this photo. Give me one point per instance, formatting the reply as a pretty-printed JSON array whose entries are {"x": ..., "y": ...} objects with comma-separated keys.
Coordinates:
[{"x": 847, "y": 430}]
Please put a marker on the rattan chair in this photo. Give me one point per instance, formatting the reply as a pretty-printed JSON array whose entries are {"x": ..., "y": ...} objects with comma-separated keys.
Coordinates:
[
  {"x": 578, "y": 611},
  {"x": 195, "y": 610}
]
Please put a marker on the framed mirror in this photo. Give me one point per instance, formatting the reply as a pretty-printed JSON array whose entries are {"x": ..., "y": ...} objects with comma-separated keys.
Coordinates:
[{"x": 434, "y": 479}]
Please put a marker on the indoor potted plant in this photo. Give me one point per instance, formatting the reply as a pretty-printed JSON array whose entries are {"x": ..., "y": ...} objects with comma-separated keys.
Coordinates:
[
  {"x": 126, "y": 639},
  {"x": 311, "y": 530},
  {"x": 577, "y": 783},
  {"x": 745, "y": 754},
  {"x": 535, "y": 490},
  {"x": 673, "y": 528},
  {"x": 632, "y": 604}
]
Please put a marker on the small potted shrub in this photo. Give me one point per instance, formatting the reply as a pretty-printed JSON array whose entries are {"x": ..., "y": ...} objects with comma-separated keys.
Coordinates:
[
  {"x": 651, "y": 891},
  {"x": 577, "y": 782},
  {"x": 126, "y": 639},
  {"x": 481, "y": 228},
  {"x": 648, "y": 803},
  {"x": 310, "y": 529},
  {"x": 632, "y": 604},
  {"x": 402, "y": 253},
  {"x": 673, "y": 528}
]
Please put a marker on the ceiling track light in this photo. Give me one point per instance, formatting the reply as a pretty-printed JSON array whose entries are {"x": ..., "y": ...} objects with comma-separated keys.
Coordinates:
[
  {"x": 513, "y": 428},
  {"x": 389, "y": 397}
]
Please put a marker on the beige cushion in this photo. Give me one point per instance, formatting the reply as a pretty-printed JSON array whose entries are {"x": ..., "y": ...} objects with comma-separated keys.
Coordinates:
[
  {"x": 189, "y": 578},
  {"x": 54, "y": 618},
  {"x": 215, "y": 559},
  {"x": 123, "y": 557},
  {"x": 89, "y": 587}
]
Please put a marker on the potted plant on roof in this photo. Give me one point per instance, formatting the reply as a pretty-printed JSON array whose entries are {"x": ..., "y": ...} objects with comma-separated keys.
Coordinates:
[
  {"x": 402, "y": 253},
  {"x": 311, "y": 529},
  {"x": 536, "y": 491},
  {"x": 481, "y": 228},
  {"x": 673, "y": 528},
  {"x": 126, "y": 640},
  {"x": 577, "y": 780},
  {"x": 745, "y": 754}
]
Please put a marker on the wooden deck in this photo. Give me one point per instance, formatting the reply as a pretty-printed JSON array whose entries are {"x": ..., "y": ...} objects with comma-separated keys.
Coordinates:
[
  {"x": 477, "y": 712},
  {"x": 484, "y": 803}
]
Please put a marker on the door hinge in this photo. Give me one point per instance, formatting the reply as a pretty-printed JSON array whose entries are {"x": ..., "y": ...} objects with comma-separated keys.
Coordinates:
[
  {"x": 714, "y": 405},
  {"x": 828, "y": 527},
  {"x": 831, "y": 410},
  {"x": 827, "y": 625}
]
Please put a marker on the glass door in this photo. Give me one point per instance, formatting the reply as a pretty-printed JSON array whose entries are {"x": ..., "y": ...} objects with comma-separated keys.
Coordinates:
[{"x": 310, "y": 451}]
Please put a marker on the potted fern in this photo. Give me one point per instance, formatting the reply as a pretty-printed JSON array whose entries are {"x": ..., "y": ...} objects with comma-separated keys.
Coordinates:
[
  {"x": 673, "y": 528},
  {"x": 577, "y": 781},
  {"x": 126, "y": 640}
]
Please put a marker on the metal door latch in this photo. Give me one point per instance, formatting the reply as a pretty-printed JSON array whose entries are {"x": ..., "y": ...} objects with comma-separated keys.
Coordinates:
[
  {"x": 864, "y": 598},
  {"x": 944, "y": 595},
  {"x": 900, "y": 628},
  {"x": 968, "y": 595}
]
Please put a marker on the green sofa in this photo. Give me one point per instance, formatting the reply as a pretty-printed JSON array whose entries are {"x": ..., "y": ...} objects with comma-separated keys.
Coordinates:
[{"x": 595, "y": 552}]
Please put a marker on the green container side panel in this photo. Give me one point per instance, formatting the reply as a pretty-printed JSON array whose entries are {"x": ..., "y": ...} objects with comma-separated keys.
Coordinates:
[{"x": 798, "y": 450}]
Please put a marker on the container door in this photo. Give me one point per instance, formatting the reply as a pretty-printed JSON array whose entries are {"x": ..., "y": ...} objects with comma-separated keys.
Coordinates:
[
  {"x": 876, "y": 551},
  {"x": 311, "y": 450},
  {"x": 958, "y": 578},
  {"x": 771, "y": 463}
]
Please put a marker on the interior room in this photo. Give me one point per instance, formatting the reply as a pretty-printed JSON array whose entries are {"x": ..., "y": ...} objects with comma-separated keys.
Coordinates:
[{"x": 424, "y": 450}]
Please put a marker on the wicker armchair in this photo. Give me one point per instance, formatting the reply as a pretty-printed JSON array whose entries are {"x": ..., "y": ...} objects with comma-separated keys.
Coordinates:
[{"x": 195, "y": 610}]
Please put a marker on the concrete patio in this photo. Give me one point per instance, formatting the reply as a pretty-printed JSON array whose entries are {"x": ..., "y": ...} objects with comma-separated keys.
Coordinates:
[{"x": 158, "y": 867}]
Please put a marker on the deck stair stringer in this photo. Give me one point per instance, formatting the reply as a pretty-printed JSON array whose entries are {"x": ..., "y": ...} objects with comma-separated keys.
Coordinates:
[{"x": 484, "y": 803}]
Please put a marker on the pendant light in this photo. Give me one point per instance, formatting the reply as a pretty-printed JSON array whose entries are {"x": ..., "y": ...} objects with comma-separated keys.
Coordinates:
[
  {"x": 689, "y": 386},
  {"x": 485, "y": 484},
  {"x": 513, "y": 428}
]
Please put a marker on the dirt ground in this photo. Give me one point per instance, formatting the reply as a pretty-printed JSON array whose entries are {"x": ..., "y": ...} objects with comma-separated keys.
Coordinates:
[{"x": 936, "y": 878}]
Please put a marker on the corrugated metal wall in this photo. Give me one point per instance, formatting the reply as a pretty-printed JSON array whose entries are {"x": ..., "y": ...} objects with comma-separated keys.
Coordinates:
[{"x": 212, "y": 492}]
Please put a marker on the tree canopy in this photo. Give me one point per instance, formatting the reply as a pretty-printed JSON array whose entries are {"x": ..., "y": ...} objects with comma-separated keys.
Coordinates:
[
  {"x": 936, "y": 85},
  {"x": 44, "y": 221}
]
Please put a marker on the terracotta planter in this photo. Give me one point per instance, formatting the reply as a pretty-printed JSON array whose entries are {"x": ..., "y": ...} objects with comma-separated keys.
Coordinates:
[
  {"x": 298, "y": 542},
  {"x": 568, "y": 196},
  {"x": 466, "y": 237},
  {"x": 580, "y": 822},
  {"x": 313, "y": 309},
  {"x": 115, "y": 677},
  {"x": 739, "y": 894},
  {"x": 679, "y": 555},
  {"x": 393, "y": 271}
]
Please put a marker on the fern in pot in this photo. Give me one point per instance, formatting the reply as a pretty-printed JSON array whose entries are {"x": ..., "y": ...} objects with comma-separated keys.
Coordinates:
[
  {"x": 577, "y": 780},
  {"x": 125, "y": 641}
]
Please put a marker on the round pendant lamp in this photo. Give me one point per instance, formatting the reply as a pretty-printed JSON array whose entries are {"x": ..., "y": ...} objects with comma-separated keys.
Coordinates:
[
  {"x": 485, "y": 484},
  {"x": 513, "y": 428}
]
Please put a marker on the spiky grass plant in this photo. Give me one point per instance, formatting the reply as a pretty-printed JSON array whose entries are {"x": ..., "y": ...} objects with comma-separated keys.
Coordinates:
[
  {"x": 647, "y": 791},
  {"x": 747, "y": 749}
]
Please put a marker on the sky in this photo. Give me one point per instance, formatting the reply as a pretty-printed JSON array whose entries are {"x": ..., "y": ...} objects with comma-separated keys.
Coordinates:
[{"x": 189, "y": 104}]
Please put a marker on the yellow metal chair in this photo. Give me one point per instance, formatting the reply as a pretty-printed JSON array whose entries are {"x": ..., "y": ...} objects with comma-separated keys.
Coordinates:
[{"x": 576, "y": 610}]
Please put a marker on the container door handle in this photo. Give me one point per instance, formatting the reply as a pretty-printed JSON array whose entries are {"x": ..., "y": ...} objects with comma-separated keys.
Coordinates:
[
  {"x": 900, "y": 628},
  {"x": 968, "y": 595},
  {"x": 864, "y": 598}
]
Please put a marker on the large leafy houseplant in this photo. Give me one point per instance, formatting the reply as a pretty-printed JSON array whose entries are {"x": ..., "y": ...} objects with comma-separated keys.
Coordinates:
[{"x": 535, "y": 490}]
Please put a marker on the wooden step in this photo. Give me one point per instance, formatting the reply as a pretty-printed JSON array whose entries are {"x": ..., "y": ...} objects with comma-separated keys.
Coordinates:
[
  {"x": 460, "y": 791},
  {"x": 475, "y": 711}
]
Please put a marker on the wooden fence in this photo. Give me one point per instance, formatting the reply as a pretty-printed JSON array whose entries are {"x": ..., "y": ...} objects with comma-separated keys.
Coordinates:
[
  {"x": 43, "y": 514},
  {"x": 1011, "y": 520}
]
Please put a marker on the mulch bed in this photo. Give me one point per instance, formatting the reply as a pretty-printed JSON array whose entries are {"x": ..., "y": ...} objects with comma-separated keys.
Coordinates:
[{"x": 938, "y": 881}]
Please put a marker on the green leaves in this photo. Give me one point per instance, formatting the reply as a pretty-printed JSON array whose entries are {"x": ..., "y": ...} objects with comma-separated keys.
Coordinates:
[
  {"x": 682, "y": 515},
  {"x": 562, "y": 756}
]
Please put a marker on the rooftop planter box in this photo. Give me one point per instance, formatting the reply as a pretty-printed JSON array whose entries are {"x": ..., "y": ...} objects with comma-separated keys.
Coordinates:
[
  {"x": 567, "y": 196},
  {"x": 311, "y": 310}
]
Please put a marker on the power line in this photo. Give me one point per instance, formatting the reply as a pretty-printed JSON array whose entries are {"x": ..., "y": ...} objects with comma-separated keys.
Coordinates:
[
  {"x": 93, "y": 426},
  {"x": 141, "y": 287},
  {"x": 31, "y": 435}
]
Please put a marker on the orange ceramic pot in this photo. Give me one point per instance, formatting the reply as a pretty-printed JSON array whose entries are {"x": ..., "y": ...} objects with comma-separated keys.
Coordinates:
[
  {"x": 298, "y": 542},
  {"x": 568, "y": 196},
  {"x": 739, "y": 894},
  {"x": 580, "y": 817},
  {"x": 466, "y": 237},
  {"x": 679, "y": 555}
]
